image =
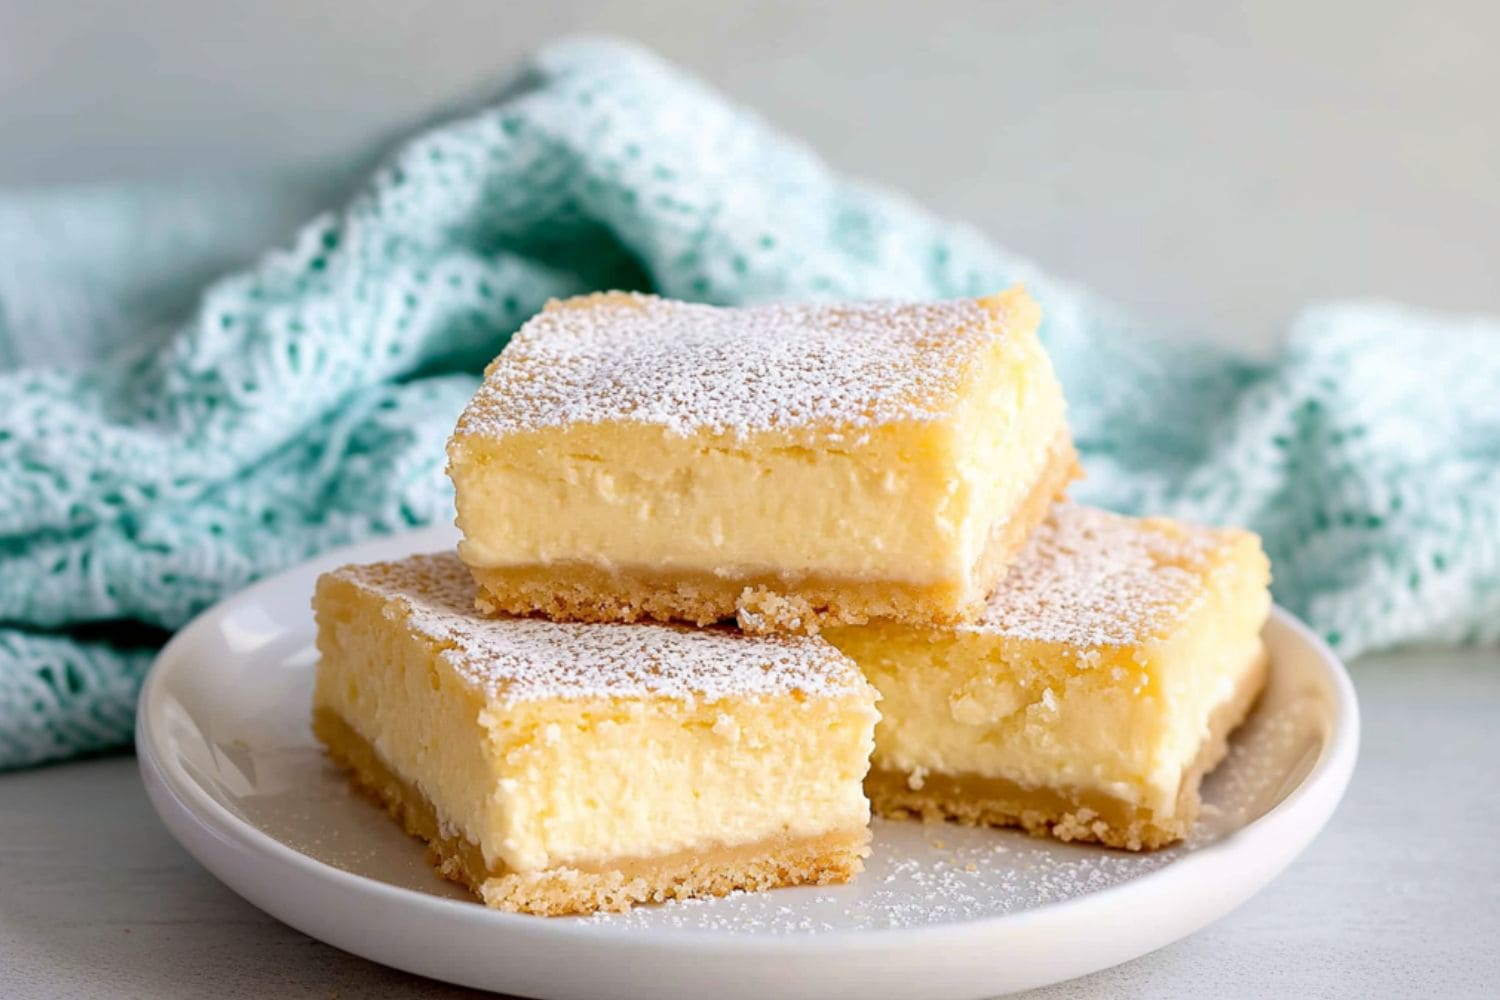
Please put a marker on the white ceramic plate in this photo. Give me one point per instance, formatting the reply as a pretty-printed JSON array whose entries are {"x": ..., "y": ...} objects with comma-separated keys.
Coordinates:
[{"x": 940, "y": 911}]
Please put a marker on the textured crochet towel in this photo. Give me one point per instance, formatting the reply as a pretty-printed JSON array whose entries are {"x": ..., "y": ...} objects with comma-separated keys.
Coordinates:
[{"x": 162, "y": 445}]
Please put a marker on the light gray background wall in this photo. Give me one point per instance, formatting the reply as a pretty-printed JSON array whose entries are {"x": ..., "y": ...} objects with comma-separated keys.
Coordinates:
[{"x": 1215, "y": 165}]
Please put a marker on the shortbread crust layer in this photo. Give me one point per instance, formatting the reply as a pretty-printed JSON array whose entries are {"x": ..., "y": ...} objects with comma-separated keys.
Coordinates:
[
  {"x": 609, "y": 885},
  {"x": 1071, "y": 815},
  {"x": 767, "y": 603}
]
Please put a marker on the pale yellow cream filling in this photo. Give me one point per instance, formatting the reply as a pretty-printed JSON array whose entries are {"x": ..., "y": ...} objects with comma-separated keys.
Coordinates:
[{"x": 634, "y": 778}]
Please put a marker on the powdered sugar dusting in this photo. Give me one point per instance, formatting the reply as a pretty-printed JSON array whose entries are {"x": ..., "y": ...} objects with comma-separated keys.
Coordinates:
[
  {"x": 1092, "y": 578},
  {"x": 524, "y": 659},
  {"x": 689, "y": 367}
]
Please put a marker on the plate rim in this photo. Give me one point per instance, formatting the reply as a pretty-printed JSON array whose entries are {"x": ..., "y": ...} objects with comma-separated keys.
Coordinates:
[{"x": 182, "y": 802}]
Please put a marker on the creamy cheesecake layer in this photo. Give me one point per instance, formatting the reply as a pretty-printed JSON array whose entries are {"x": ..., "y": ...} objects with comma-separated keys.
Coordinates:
[
  {"x": 1098, "y": 673},
  {"x": 619, "y": 883},
  {"x": 1089, "y": 812},
  {"x": 554, "y": 747},
  {"x": 763, "y": 602},
  {"x": 864, "y": 444}
]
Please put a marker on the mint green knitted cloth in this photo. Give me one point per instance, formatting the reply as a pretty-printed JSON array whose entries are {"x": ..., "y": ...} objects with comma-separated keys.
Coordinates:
[{"x": 162, "y": 445}]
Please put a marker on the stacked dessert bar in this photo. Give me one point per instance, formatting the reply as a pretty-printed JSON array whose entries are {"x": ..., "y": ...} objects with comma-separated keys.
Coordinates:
[{"x": 699, "y": 546}]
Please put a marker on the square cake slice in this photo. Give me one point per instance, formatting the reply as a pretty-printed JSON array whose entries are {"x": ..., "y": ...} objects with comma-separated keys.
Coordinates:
[
  {"x": 629, "y": 457},
  {"x": 1088, "y": 701},
  {"x": 567, "y": 768}
]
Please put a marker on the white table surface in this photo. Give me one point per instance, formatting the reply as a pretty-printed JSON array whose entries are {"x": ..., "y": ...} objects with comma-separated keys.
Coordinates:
[{"x": 1215, "y": 167}]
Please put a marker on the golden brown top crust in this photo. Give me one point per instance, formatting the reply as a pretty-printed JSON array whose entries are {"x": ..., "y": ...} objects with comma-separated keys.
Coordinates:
[
  {"x": 527, "y": 659},
  {"x": 1091, "y": 578},
  {"x": 690, "y": 368}
]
